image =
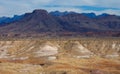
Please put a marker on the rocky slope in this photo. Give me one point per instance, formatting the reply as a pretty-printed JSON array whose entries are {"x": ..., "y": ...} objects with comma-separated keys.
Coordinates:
[
  {"x": 85, "y": 56},
  {"x": 40, "y": 22}
]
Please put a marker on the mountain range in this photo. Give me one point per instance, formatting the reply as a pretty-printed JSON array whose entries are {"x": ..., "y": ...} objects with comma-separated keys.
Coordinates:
[
  {"x": 40, "y": 23},
  {"x": 5, "y": 20}
]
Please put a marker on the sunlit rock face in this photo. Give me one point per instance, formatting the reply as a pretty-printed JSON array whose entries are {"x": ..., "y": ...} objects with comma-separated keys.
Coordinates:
[
  {"x": 77, "y": 50},
  {"x": 47, "y": 50}
]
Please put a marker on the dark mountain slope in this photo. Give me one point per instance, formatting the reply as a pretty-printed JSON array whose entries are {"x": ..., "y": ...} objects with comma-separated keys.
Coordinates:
[
  {"x": 37, "y": 21},
  {"x": 6, "y": 20},
  {"x": 73, "y": 24}
]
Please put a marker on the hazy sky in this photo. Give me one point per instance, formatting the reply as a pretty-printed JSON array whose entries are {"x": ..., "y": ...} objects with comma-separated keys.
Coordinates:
[{"x": 12, "y": 7}]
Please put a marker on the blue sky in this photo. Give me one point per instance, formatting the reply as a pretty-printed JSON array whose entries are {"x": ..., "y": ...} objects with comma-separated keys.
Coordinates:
[{"x": 12, "y": 7}]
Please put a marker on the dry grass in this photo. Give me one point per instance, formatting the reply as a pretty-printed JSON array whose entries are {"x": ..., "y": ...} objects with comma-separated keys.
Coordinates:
[
  {"x": 15, "y": 68},
  {"x": 65, "y": 62}
]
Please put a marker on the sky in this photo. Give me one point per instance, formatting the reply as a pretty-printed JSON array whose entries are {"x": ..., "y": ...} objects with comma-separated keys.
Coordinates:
[{"x": 18, "y": 7}]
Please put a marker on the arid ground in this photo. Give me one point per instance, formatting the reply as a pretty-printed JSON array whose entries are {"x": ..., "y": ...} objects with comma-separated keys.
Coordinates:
[{"x": 60, "y": 56}]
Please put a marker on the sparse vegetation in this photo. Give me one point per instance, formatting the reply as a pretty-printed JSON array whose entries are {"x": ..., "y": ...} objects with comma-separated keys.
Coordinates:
[{"x": 20, "y": 57}]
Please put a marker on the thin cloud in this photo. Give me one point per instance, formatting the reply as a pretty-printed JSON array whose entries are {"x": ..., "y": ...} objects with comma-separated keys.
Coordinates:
[
  {"x": 11, "y": 7},
  {"x": 82, "y": 7}
]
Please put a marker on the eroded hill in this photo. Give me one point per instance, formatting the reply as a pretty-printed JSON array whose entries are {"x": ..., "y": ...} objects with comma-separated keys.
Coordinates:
[{"x": 75, "y": 56}]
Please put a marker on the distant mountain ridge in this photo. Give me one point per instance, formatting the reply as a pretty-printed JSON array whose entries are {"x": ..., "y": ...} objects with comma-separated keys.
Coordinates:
[
  {"x": 4, "y": 20},
  {"x": 40, "y": 23},
  {"x": 90, "y": 15}
]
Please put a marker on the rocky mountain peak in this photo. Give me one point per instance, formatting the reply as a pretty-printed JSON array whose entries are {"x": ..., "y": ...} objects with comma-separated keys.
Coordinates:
[{"x": 40, "y": 11}]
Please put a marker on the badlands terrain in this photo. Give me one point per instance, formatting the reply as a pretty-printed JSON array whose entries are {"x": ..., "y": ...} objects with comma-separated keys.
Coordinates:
[
  {"x": 42, "y": 42},
  {"x": 60, "y": 56}
]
